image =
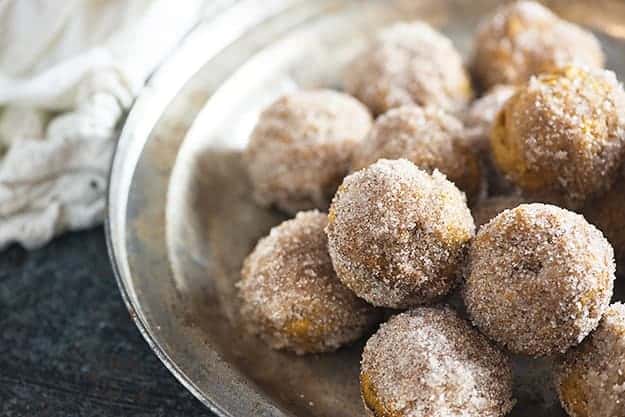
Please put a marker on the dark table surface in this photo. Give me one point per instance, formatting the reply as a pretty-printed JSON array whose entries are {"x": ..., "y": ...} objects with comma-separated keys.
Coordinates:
[{"x": 67, "y": 344}]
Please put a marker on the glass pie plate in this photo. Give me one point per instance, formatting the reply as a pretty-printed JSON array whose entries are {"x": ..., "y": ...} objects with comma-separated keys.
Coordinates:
[{"x": 181, "y": 219}]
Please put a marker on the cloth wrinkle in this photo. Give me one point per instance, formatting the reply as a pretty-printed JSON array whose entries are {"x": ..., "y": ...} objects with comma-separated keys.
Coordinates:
[{"x": 67, "y": 76}]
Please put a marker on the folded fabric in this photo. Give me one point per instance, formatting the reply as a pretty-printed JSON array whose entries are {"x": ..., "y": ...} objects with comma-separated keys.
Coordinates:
[{"x": 68, "y": 72}]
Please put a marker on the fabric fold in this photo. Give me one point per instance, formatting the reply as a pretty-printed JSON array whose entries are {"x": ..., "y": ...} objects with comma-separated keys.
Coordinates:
[{"x": 65, "y": 83}]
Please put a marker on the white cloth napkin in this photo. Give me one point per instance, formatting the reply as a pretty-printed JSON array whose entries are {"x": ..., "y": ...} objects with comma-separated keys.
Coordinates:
[{"x": 68, "y": 71}]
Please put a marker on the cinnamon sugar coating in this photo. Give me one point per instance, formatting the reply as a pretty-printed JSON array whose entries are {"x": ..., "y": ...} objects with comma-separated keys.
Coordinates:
[
  {"x": 430, "y": 138},
  {"x": 430, "y": 362},
  {"x": 539, "y": 279},
  {"x": 301, "y": 147},
  {"x": 524, "y": 39},
  {"x": 398, "y": 235},
  {"x": 561, "y": 138},
  {"x": 607, "y": 212},
  {"x": 591, "y": 378},
  {"x": 481, "y": 114},
  {"x": 478, "y": 120},
  {"x": 291, "y": 296},
  {"x": 489, "y": 208},
  {"x": 409, "y": 63}
]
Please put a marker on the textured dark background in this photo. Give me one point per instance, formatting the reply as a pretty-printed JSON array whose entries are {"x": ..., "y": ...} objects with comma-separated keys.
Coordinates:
[{"x": 67, "y": 344}]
